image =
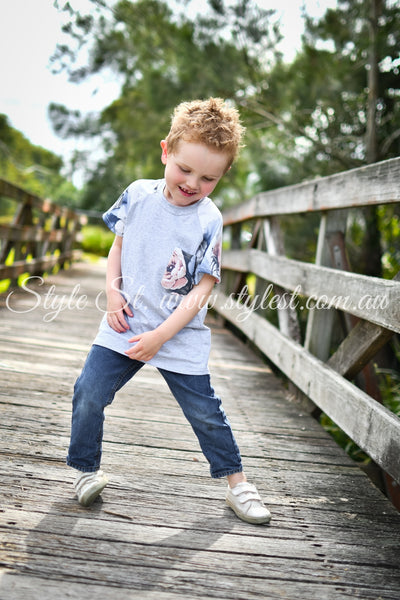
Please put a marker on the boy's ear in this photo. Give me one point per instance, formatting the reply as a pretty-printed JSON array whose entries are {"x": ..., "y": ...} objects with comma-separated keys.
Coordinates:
[{"x": 164, "y": 153}]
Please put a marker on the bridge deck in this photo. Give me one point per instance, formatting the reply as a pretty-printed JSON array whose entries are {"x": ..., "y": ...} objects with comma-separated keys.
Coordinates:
[{"x": 162, "y": 530}]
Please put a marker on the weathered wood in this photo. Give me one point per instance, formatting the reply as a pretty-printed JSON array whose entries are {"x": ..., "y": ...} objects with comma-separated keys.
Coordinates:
[
  {"x": 340, "y": 299},
  {"x": 34, "y": 265},
  {"x": 28, "y": 243},
  {"x": 358, "y": 348},
  {"x": 29, "y": 234},
  {"x": 287, "y": 315},
  {"x": 365, "y": 186},
  {"x": 32, "y": 588},
  {"x": 374, "y": 428},
  {"x": 320, "y": 323},
  {"x": 137, "y": 546},
  {"x": 161, "y": 529},
  {"x": 377, "y": 300}
]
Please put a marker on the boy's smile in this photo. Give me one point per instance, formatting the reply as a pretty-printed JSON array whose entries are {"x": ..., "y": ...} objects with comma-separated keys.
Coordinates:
[{"x": 192, "y": 171}]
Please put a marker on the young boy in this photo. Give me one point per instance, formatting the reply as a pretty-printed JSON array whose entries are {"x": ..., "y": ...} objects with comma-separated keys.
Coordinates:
[{"x": 161, "y": 270}]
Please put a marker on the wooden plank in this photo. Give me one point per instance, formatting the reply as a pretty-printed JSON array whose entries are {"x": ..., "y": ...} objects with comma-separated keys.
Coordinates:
[
  {"x": 358, "y": 348},
  {"x": 30, "y": 587},
  {"x": 320, "y": 323},
  {"x": 161, "y": 529},
  {"x": 47, "y": 435},
  {"x": 130, "y": 542},
  {"x": 203, "y": 539},
  {"x": 25, "y": 238},
  {"x": 35, "y": 265},
  {"x": 287, "y": 315},
  {"x": 370, "y": 298},
  {"x": 208, "y": 581},
  {"x": 132, "y": 495},
  {"x": 374, "y": 428},
  {"x": 18, "y": 233},
  {"x": 328, "y": 502},
  {"x": 365, "y": 186}
]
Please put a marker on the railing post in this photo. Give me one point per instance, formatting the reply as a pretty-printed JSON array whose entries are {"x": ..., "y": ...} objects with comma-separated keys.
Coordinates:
[
  {"x": 320, "y": 322},
  {"x": 287, "y": 316},
  {"x": 27, "y": 245},
  {"x": 229, "y": 277},
  {"x": 23, "y": 216}
]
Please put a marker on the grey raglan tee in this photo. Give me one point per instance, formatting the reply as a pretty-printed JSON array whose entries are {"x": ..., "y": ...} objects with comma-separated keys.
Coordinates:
[{"x": 166, "y": 249}]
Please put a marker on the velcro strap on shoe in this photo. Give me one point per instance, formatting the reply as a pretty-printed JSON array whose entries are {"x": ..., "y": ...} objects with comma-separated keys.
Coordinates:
[{"x": 246, "y": 492}]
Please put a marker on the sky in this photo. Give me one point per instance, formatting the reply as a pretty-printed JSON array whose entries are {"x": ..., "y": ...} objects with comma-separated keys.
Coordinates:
[{"x": 29, "y": 32}]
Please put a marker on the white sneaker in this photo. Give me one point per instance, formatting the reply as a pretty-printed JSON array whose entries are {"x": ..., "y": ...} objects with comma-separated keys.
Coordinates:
[
  {"x": 246, "y": 502},
  {"x": 88, "y": 486}
]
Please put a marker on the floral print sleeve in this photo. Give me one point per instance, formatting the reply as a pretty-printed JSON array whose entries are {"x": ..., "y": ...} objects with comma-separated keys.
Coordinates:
[
  {"x": 115, "y": 217},
  {"x": 209, "y": 256}
]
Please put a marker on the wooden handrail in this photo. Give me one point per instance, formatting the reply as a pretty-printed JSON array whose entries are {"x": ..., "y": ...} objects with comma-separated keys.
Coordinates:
[
  {"x": 370, "y": 305},
  {"x": 42, "y": 234},
  {"x": 371, "y": 298},
  {"x": 365, "y": 186}
]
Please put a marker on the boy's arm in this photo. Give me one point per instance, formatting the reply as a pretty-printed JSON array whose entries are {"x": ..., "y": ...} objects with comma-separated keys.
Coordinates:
[
  {"x": 116, "y": 304},
  {"x": 148, "y": 343}
]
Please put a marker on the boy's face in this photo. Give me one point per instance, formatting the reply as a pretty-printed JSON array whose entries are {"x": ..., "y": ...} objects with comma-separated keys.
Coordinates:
[{"x": 191, "y": 172}]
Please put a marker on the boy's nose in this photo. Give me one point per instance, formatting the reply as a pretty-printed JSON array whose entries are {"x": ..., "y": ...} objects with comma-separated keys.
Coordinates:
[{"x": 192, "y": 182}]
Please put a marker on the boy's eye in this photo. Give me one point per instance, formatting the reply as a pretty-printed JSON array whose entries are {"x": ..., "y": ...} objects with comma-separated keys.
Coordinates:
[
  {"x": 184, "y": 170},
  {"x": 208, "y": 179}
]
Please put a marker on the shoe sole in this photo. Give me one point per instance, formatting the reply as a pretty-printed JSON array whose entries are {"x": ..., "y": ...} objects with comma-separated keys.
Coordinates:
[
  {"x": 244, "y": 517},
  {"x": 92, "y": 493}
]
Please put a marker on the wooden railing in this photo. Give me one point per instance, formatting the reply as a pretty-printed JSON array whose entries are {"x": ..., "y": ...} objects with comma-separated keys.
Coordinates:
[
  {"x": 40, "y": 236},
  {"x": 370, "y": 305}
]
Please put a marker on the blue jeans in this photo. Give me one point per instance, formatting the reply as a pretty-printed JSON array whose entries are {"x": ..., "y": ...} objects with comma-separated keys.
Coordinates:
[{"x": 106, "y": 371}]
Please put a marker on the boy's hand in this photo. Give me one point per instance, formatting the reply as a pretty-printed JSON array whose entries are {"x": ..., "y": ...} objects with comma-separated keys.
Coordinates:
[
  {"x": 147, "y": 345},
  {"x": 116, "y": 309}
]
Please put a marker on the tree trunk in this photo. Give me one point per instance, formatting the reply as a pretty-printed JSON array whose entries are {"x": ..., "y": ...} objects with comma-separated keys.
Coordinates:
[
  {"x": 372, "y": 242},
  {"x": 371, "y": 142}
]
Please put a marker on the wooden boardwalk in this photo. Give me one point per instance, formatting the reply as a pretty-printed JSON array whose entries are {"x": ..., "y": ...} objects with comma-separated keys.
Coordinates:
[{"x": 161, "y": 529}]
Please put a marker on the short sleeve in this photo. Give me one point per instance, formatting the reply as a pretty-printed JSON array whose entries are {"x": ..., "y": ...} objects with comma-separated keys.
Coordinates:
[
  {"x": 115, "y": 217},
  {"x": 209, "y": 255}
]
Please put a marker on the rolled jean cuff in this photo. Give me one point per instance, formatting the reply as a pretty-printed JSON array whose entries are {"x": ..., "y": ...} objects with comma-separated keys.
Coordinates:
[
  {"x": 220, "y": 474},
  {"x": 82, "y": 469}
]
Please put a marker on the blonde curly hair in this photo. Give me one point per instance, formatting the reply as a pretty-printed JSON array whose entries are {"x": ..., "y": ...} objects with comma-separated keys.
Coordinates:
[{"x": 211, "y": 122}]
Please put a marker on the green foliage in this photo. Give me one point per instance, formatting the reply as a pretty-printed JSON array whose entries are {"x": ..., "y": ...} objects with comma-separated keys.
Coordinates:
[
  {"x": 304, "y": 119},
  {"x": 344, "y": 441},
  {"x": 33, "y": 168},
  {"x": 313, "y": 116},
  {"x": 301, "y": 233},
  {"x": 389, "y": 226},
  {"x": 389, "y": 383},
  {"x": 321, "y": 114},
  {"x": 390, "y": 389},
  {"x": 96, "y": 240},
  {"x": 161, "y": 59}
]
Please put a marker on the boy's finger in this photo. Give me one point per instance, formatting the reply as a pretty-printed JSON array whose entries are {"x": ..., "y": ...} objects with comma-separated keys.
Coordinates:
[
  {"x": 136, "y": 338},
  {"x": 116, "y": 323}
]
